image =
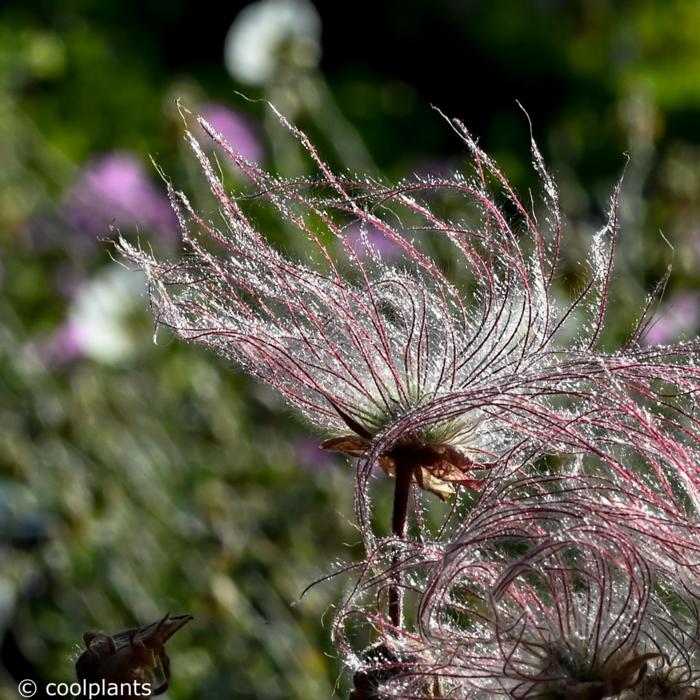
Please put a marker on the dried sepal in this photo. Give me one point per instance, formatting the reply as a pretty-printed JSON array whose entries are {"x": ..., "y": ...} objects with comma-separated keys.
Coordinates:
[
  {"x": 135, "y": 655},
  {"x": 435, "y": 468}
]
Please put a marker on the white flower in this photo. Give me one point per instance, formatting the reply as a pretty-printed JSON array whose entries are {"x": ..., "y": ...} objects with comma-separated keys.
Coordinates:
[
  {"x": 99, "y": 314},
  {"x": 270, "y": 33}
]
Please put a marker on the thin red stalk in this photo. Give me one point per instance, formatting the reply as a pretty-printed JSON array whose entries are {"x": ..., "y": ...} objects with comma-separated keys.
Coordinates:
[{"x": 402, "y": 488}]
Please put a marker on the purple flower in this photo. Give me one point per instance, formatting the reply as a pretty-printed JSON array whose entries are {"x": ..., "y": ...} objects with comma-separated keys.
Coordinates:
[
  {"x": 679, "y": 316},
  {"x": 364, "y": 241},
  {"x": 62, "y": 347},
  {"x": 310, "y": 456},
  {"x": 115, "y": 189},
  {"x": 235, "y": 129}
]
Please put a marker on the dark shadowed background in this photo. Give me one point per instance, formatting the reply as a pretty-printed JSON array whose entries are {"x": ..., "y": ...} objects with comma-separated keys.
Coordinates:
[{"x": 138, "y": 478}]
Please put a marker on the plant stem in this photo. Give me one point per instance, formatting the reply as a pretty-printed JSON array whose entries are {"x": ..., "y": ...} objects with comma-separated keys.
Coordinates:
[{"x": 402, "y": 488}]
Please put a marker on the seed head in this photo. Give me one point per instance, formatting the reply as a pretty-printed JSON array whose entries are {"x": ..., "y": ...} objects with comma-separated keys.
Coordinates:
[{"x": 391, "y": 354}]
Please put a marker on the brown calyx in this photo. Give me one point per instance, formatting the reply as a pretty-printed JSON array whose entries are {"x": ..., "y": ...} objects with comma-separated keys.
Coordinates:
[{"x": 434, "y": 467}]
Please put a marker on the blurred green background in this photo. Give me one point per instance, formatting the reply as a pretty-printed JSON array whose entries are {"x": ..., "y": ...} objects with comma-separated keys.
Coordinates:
[{"x": 138, "y": 478}]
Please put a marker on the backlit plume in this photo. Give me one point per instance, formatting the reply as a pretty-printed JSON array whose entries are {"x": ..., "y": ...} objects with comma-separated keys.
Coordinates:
[
  {"x": 550, "y": 588},
  {"x": 567, "y": 564}
]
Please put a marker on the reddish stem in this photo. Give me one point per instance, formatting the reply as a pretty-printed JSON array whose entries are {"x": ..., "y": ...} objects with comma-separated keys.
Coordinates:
[{"x": 402, "y": 488}]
